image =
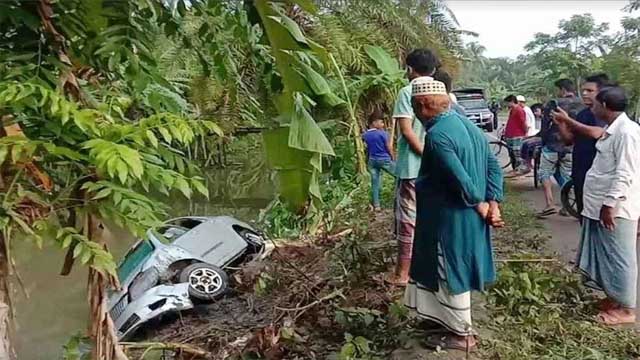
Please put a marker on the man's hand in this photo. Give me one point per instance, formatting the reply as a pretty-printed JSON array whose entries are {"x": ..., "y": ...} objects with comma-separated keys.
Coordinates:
[
  {"x": 559, "y": 116},
  {"x": 483, "y": 210},
  {"x": 607, "y": 217},
  {"x": 494, "y": 217}
]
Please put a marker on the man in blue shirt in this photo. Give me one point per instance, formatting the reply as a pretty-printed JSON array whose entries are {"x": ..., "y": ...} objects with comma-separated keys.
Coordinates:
[
  {"x": 379, "y": 154},
  {"x": 420, "y": 62},
  {"x": 584, "y": 145},
  {"x": 556, "y": 155}
]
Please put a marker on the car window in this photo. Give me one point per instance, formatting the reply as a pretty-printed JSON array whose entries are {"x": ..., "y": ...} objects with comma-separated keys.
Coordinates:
[
  {"x": 473, "y": 104},
  {"x": 170, "y": 233},
  {"x": 134, "y": 257},
  {"x": 188, "y": 223},
  {"x": 158, "y": 235}
]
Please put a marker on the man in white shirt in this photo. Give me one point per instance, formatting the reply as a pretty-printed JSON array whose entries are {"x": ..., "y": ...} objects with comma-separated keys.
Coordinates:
[
  {"x": 607, "y": 253},
  {"x": 531, "y": 118}
]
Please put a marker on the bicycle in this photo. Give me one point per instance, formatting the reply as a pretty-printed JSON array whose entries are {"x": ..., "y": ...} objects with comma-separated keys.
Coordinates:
[
  {"x": 568, "y": 199},
  {"x": 499, "y": 148}
]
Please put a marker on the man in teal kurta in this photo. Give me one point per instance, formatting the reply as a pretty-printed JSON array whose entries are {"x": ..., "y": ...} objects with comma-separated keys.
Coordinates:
[{"x": 458, "y": 191}]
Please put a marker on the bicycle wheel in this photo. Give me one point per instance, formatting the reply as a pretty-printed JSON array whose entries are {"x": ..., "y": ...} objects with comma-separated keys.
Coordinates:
[
  {"x": 568, "y": 198},
  {"x": 501, "y": 152},
  {"x": 536, "y": 169}
]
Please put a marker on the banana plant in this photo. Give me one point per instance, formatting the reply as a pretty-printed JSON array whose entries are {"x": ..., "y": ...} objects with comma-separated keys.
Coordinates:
[{"x": 299, "y": 61}]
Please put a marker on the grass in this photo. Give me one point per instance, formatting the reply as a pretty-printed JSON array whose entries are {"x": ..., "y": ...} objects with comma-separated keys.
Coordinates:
[{"x": 540, "y": 310}]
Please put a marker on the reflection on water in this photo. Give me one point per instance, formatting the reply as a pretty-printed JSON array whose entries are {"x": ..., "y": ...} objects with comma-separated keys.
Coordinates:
[{"x": 57, "y": 305}]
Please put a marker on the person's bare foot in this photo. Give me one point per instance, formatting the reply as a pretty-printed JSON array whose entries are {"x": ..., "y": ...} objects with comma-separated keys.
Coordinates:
[
  {"x": 617, "y": 316},
  {"x": 400, "y": 275},
  {"x": 395, "y": 279}
]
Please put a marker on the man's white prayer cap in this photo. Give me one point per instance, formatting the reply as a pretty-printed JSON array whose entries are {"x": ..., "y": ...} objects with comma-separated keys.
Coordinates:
[{"x": 425, "y": 85}]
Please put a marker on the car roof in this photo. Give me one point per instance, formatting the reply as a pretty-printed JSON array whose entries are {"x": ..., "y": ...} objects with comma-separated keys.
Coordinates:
[{"x": 469, "y": 91}]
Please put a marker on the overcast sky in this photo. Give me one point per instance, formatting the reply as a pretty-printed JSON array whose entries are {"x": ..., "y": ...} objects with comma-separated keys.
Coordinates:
[{"x": 506, "y": 26}]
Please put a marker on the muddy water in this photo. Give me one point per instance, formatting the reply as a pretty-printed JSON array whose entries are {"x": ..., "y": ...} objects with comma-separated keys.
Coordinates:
[{"x": 56, "y": 307}]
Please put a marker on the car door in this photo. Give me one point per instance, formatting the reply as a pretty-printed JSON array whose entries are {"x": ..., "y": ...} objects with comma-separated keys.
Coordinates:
[{"x": 214, "y": 241}]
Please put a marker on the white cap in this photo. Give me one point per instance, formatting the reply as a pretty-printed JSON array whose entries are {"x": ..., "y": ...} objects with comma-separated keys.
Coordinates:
[
  {"x": 425, "y": 85},
  {"x": 521, "y": 98}
]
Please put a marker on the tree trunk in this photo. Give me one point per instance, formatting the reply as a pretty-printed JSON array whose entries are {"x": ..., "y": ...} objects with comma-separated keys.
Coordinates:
[
  {"x": 101, "y": 328},
  {"x": 6, "y": 348}
]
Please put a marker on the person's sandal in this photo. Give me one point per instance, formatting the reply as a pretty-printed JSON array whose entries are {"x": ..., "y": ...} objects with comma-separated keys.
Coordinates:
[
  {"x": 609, "y": 319},
  {"x": 547, "y": 212},
  {"x": 446, "y": 342}
]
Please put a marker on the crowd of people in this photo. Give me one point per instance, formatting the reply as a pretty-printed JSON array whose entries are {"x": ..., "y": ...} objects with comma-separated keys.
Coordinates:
[{"x": 449, "y": 186}]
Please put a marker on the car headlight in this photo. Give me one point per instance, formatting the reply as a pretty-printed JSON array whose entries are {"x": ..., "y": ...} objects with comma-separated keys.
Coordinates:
[{"x": 143, "y": 282}]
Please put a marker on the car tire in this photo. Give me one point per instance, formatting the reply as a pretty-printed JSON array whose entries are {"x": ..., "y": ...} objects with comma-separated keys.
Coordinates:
[
  {"x": 489, "y": 127},
  {"x": 206, "y": 282}
]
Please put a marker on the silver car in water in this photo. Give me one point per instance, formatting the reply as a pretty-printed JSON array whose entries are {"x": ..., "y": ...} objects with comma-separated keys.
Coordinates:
[{"x": 176, "y": 264}]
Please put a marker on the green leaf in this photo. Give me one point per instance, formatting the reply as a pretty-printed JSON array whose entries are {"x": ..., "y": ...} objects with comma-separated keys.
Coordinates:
[
  {"x": 182, "y": 185},
  {"x": 293, "y": 29},
  {"x": 4, "y": 151},
  {"x": 201, "y": 188},
  {"x": 384, "y": 62},
  {"x": 78, "y": 249},
  {"x": 211, "y": 126},
  {"x": 152, "y": 138},
  {"x": 132, "y": 157},
  {"x": 86, "y": 256},
  {"x": 102, "y": 194},
  {"x": 123, "y": 171},
  {"x": 305, "y": 134},
  {"x": 165, "y": 135},
  {"x": 67, "y": 241},
  {"x": 317, "y": 83},
  {"x": 292, "y": 165},
  {"x": 117, "y": 197}
]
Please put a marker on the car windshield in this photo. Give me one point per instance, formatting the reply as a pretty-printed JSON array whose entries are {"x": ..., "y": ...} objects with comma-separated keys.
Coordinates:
[
  {"x": 473, "y": 103},
  {"x": 134, "y": 257}
]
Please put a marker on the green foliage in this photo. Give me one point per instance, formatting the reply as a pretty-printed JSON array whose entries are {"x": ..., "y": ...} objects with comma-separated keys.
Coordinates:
[
  {"x": 527, "y": 291},
  {"x": 539, "y": 313},
  {"x": 357, "y": 348},
  {"x": 125, "y": 157},
  {"x": 540, "y": 310},
  {"x": 77, "y": 348},
  {"x": 264, "y": 284},
  {"x": 367, "y": 331},
  {"x": 361, "y": 321}
]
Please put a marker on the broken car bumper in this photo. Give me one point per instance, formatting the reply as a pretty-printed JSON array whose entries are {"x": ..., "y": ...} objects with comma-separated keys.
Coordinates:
[{"x": 154, "y": 302}]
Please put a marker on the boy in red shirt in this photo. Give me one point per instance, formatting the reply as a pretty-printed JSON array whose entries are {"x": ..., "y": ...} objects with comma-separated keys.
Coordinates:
[{"x": 515, "y": 131}]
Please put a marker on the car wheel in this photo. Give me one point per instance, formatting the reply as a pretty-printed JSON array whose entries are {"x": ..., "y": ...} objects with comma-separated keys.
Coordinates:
[
  {"x": 489, "y": 127},
  {"x": 206, "y": 282}
]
